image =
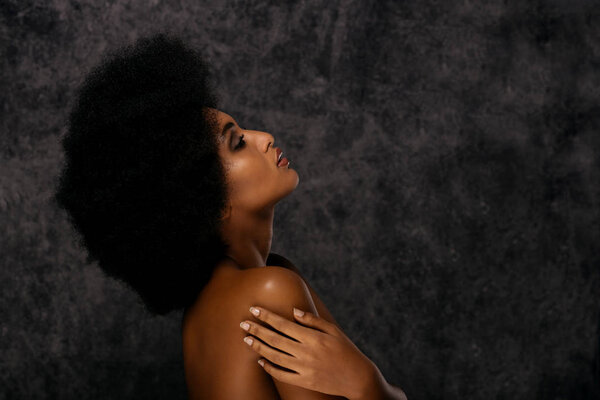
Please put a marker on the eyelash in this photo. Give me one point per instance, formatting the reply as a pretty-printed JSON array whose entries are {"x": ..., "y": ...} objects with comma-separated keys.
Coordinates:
[{"x": 241, "y": 143}]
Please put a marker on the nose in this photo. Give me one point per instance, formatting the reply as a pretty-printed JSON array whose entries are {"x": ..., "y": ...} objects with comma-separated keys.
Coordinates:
[
  {"x": 264, "y": 140},
  {"x": 270, "y": 141}
]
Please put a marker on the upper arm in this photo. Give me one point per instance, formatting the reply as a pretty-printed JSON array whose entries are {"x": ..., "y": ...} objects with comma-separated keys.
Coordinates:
[
  {"x": 279, "y": 290},
  {"x": 217, "y": 362}
]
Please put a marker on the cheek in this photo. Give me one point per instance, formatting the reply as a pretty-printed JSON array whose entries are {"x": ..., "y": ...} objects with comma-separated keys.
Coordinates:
[{"x": 251, "y": 180}]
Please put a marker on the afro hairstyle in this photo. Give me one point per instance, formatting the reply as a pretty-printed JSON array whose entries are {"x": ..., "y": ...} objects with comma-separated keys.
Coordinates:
[{"x": 143, "y": 183}]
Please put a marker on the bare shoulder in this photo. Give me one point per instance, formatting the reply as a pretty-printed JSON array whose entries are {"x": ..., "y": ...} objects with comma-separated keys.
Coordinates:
[
  {"x": 322, "y": 309},
  {"x": 218, "y": 364},
  {"x": 279, "y": 290},
  {"x": 274, "y": 279}
]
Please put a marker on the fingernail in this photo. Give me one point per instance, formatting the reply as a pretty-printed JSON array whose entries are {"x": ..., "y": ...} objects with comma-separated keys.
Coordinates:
[
  {"x": 244, "y": 325},
  {"x": 248, "y": 340},
  {"x": 255, "y": 311},
  {"x": 261, "y": 362},
  {"x": 298, "y": 313}
]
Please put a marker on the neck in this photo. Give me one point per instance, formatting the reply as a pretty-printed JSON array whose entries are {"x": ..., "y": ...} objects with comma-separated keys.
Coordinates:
[{"x": 249, "y": 237}]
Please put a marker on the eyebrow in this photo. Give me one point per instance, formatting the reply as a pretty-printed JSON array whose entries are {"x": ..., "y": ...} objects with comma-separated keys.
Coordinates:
[{"x": 227, "y": 126}]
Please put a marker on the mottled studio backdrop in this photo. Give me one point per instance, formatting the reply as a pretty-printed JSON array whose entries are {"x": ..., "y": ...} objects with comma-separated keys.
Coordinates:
[{"x": 448, "y": 205}]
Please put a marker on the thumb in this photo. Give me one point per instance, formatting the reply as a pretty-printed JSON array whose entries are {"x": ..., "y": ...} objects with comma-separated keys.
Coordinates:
[{"x": 314, "y": 321}]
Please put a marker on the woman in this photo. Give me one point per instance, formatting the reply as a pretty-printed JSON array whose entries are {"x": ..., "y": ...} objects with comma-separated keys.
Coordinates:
[{"x": 174, "y": 198}]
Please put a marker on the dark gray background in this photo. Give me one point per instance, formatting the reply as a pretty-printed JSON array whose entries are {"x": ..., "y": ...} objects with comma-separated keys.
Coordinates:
[{"x": 447, "y": 211}]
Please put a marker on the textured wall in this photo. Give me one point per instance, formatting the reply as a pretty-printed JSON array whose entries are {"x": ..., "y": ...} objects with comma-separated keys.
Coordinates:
[{"x": 448, "y": 205}]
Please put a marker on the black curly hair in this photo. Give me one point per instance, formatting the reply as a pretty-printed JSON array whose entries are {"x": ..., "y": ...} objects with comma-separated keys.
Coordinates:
[{"x": 142, "y": 182}]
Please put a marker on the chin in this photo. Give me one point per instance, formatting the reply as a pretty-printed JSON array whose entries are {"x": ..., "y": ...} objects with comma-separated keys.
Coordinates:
[
  {"x": 296, "y": 180},
  {"x": 291, "y": 184}
]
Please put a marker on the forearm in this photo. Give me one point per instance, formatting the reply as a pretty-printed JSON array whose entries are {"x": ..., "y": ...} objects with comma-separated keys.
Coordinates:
[{"x": 377, "y": 388}]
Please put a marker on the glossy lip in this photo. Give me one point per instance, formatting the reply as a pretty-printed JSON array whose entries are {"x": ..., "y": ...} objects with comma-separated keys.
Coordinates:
[{"x": 277, "y": 153}]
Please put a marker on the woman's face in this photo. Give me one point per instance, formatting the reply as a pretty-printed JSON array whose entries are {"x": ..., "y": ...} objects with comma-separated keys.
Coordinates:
[{"x": 254, "y": 179}]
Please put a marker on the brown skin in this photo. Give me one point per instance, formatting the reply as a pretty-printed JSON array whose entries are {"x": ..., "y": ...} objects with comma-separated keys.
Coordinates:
[
  {"x": 324, "y": 348},
  {"x": 256, "y": 184},
  {"x": 218, "y": 363}
]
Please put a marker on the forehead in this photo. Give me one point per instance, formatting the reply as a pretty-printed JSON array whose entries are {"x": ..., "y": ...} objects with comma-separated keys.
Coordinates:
[
  {"x": 224, "y": 122},
  {"x": 222, "y": 116}
]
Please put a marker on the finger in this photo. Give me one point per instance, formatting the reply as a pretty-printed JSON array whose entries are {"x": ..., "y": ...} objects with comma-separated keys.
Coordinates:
[
  {"x": 271, "y": 338},
  {"x": 273, "y": 355},
  {"x": 314, "y": 321},
  {"x": 287, "y": 327},
  {"x": 279, "y": 374}
]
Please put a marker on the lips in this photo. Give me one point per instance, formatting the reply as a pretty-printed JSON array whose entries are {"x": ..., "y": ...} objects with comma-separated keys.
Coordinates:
[
  {"x": 281, "y": 161},
  {"x": 278, "y": 150}
]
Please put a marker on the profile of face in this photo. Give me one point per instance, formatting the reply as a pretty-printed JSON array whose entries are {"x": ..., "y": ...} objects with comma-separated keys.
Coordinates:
[{"x": 255, "y": 181}]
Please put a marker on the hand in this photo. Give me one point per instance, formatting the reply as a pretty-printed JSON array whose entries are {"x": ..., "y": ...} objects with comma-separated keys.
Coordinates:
[{"x": 324, "y": 358}]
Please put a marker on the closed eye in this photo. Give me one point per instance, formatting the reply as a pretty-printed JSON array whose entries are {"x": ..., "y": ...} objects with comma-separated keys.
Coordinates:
[{"x": 241, "y": 143}]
